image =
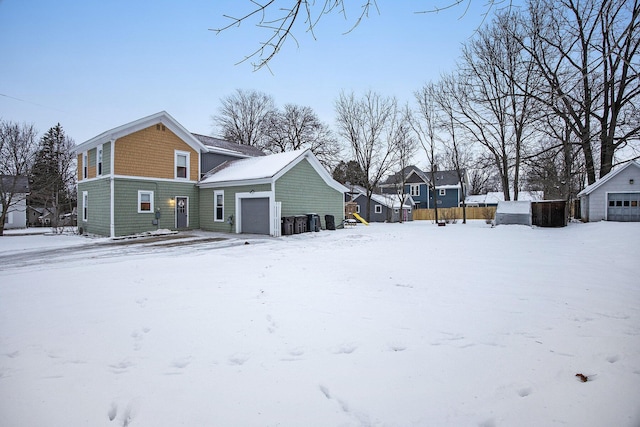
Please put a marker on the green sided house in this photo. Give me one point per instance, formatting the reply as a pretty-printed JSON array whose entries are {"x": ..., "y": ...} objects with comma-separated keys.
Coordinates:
[
  {"x": 146, "y": 175},
  {"x": 252, "y": 195}
]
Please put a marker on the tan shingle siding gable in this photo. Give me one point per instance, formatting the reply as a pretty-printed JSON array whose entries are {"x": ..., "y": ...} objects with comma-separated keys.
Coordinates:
[{"x": 151, "y": 153}]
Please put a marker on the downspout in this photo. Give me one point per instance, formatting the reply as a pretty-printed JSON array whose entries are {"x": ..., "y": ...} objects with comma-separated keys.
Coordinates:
[{"x": 112, "y": 225}]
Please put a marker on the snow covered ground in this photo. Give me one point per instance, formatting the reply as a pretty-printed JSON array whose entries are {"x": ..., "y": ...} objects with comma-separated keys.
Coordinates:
[{"x": 387, "y": 325}]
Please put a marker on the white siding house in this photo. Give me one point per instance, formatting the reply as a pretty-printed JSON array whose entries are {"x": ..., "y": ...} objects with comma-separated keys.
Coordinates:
[
  {"x": 614, "y": 197},
  {"x": 18, "y": 188}
]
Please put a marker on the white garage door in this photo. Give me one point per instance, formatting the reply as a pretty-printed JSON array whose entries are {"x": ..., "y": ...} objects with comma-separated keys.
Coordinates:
[{"x": 623, "y": 207}]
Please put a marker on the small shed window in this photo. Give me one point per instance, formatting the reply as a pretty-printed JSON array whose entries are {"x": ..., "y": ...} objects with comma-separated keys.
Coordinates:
[
  {"x": 145, "y": 201},
  {"x": 378, "y": 209}
]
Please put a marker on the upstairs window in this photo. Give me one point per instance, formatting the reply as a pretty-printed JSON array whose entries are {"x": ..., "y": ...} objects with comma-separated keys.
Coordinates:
[
  {"x": 415, "y": 189},
  {"x": 182, "y": 165},
  {"x": 145, "y": 201},
  {"x": 443, "y": 192},
  {"x": 99, "y": 159},
  {"x": 218, "y": 205},
  {"x": 85, "y": 166}
]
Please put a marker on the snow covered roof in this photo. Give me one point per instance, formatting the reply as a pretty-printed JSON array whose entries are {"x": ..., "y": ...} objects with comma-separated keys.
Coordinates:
[
  {"x": 590, "y": 188},
  {"x": 514, "y": 207},
  {"x": 264, "y": 169},
  {"x": 493, "y": 197}
]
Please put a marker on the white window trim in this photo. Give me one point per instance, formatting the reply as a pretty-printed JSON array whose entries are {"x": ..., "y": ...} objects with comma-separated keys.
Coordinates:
[
  {"x": 415, "y": 187},
  {"x": 140, "y": 193},
  {"x": 442, "y": 192},
  {"x": 85, "y": 165},
  {"x": 99, "y": 160},
  {"x": 216, "y": 193},
  {"x": 357, "y": 209},
  {"x": 85, "y": 205},
  {"x": 175, "y": 164},
  {"x": 378, "y": 209}
]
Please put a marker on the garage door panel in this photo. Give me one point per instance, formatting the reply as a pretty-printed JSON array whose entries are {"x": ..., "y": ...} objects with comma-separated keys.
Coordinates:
[
  {"x": 624, "y": 207},
  {"x": 255, "y": 215}
]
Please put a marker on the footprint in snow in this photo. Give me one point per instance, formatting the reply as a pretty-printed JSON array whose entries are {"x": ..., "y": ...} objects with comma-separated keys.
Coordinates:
[
  {"x": 238, "y": 359},
  {"x": 345, "y": 349}
]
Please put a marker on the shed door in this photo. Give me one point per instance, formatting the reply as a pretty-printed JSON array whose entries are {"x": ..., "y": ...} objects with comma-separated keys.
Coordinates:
[
  {"x": 255, "y": 215},
  {"x": 623, "y": 207}
]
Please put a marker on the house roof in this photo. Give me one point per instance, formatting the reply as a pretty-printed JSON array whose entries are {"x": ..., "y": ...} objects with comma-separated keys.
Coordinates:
[
  {"x": 591, "y": 188},
  {"x": 514, "y": 207},
  {"x": 140, "y": 124},
  {"x": 222, "y": 145},
  {"x": 264, "y": 169},
  {"x": 388, "y": 200},
  {"x": 14, "y": 184},
  {"x": 443, "y": 179},
  {"x": 494, "y": 197}
]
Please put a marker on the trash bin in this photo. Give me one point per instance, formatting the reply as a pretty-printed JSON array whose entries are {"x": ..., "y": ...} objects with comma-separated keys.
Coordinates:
[
  {"x": 330, "y": 222},
  {"x": 287, "y": 225},
  {"x": 313, "y": 222},
  {"x": 300, "y": 224}
]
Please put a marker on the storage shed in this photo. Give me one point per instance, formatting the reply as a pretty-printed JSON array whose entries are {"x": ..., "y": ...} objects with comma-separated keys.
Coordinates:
[
  {"x": 513, "y": 212},
  {"x": 614, "y": 197},
  {"x": 549, "y": 213}
]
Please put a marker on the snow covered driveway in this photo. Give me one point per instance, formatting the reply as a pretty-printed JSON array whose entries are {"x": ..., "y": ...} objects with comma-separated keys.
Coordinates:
[{"x": 387, "y": 325}]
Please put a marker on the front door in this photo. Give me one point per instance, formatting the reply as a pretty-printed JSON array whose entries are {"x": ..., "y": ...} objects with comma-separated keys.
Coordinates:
[{"x": 182, "y": 212}]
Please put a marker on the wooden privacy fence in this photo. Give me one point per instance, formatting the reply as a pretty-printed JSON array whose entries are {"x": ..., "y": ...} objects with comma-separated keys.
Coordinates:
[{"x": 450, "y": 214}]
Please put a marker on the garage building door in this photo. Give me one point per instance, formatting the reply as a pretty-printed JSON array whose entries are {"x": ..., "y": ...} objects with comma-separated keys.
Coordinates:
[
  {"x": 623, "y": 207},
  {"x": 255, "y": 215}
]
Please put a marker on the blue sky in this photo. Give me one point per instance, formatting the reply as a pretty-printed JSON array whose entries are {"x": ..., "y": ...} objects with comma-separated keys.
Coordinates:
[{"x": 94, "y": 65}]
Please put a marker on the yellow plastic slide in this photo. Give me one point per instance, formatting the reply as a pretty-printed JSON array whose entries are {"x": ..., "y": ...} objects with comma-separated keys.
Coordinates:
[{"x": 359, "y": 218}]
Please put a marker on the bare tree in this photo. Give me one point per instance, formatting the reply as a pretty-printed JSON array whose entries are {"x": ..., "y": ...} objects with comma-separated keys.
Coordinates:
[
  {"x": 586, "y": 54},
  {"x": 424, "y": 124},
  {"x": 405, "y": 147},
  {"x": 280, "y": 21},
  {"x": 17, "y": 148},
  {"x": 297, "y": 128},
  {"x": 457, "y": 152},
  {"x": 367, "y": 125},
  {"x": 242, "y": 116}
]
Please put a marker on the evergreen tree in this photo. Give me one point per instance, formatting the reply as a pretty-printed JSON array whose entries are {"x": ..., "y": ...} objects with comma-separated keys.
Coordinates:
[{"x": 53, "y": 173}]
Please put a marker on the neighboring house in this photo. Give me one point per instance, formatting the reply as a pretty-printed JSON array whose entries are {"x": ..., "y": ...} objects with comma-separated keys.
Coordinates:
[
  {"x": 144, "y": 176},
  {"x": 251, "y": 195},
  {"x": 18, "y": 187},
  {"x": 449, "y": 189},
  {"x": 384, "y": 207},
  {"x": 492, "y": 198},
  {"x": 614, "y": 197}
]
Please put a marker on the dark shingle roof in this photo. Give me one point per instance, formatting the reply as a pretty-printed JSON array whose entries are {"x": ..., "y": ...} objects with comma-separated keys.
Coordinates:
[
  {"x": 246, "y": 150},
  {"x": 21, "y": 184}
]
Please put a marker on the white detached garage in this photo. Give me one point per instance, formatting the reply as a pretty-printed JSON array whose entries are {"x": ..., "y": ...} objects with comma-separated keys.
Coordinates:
[{"x": 614, "y": 197}]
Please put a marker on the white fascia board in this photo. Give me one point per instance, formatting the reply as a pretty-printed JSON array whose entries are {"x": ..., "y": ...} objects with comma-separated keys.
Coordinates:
[
  {"x": 162, "y": 117},
  {"x": 219, "y": 184},
  {"x": 317, "y": 166}
]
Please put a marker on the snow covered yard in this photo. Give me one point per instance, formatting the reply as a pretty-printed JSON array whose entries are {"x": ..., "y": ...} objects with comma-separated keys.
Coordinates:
[{"x": 387, "y": 325}]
